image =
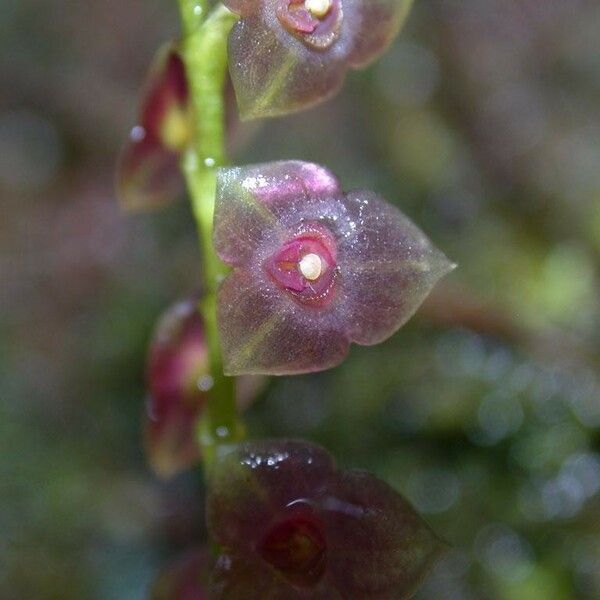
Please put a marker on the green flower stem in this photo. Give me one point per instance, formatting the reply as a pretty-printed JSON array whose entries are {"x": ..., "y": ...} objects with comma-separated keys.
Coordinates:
[{"x": 205, "y": 56}]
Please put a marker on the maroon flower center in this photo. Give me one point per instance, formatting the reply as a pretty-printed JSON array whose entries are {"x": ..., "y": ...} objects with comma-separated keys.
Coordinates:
[
  {"x": 317, "y": 22},
  {"x": 306, "y": 267},
  {"x": 296, "y": 548}
]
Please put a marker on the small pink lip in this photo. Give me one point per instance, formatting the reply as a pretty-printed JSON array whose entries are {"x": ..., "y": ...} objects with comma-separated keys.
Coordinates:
[
  {"x": 294, "y": 16},
  {"x": 283, "y": 266},
  {"x": 318, "y": 32}
]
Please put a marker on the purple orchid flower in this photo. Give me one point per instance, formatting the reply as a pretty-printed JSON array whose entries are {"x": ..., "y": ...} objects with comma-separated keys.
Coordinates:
[
  {"x": 287, "y": 55},
  {"x": 314, "y": 269},
  {"x": 291, "y": 525}
]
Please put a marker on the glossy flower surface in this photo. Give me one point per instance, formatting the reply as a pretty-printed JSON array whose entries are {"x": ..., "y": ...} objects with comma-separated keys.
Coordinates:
[
  {"x": 286, "y": 55},
  {"x": 314, "y": 269},
  {"x": 148, "y": 173},
  {"x": 185, "y": 579},
  {"x": 178, "y": 381},
  {"x": 293, "y": 526}
]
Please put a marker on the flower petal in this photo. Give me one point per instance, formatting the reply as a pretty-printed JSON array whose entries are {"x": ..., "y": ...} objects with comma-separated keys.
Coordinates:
[
  {"x": 269, "y": 494},
  {"x": 379, "y": 23},
  {"x": 148, "y": 174},
  {"x": 274, "y": 73},
  {"x": 248, "y": 577},
  {"x": 388, "y": 267},
  {"x": 255, "y": 481},
  {"x": 249, "y": 202},
  {"x": 264, "y": 332},
  {"x": 177, "y": 370},
  {"x": 369, "y": 268},
  {"x": 243, "y": 7},
  {"x": 165, "y": 111},
  {"x": 397, "y": 548}
]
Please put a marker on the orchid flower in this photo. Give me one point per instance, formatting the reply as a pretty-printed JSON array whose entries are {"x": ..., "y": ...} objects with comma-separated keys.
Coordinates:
[
  {"x": 287, "y": 55},
  {"x": 314, "y": 268}
]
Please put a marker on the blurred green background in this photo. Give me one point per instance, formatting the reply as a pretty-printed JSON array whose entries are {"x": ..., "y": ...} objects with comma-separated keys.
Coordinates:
[{"x": 483, "y": 124}]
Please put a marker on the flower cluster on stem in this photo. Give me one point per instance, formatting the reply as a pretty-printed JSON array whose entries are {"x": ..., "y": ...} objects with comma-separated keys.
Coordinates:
[{"x": 295, "y": 269}]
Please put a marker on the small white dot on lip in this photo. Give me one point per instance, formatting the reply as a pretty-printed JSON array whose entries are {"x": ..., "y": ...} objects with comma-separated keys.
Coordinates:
[{"x": 311, "y": 266}]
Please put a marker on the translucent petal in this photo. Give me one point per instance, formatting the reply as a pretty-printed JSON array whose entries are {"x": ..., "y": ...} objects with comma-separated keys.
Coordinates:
[
  {"x": 164, "y": 111},
  {"x": 250, "y": 200},
  {"x": 275, "y": 73},
  {"x": 379, "y": 21},
  {"x": 256, "y": 480},
  {"x": 397, "y": 548},
  {"x": 281, "y": 63},
  {"x": 177, "y": 370},
  {"x": 266, "y": 332},
  {"x": 388, "y": 267}
]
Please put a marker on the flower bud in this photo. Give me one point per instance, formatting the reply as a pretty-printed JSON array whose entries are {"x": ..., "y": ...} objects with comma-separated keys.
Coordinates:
[
  {"x": 287, "y": 55},
  {"x": 148, "y": 174}
]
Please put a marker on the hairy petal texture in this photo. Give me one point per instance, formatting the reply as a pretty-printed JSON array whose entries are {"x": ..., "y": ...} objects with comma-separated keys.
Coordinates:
[
  {"x": 276, "y": 496},
  {"x": 314, "y": 269},
  {"x": 284, "y": 58}
]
